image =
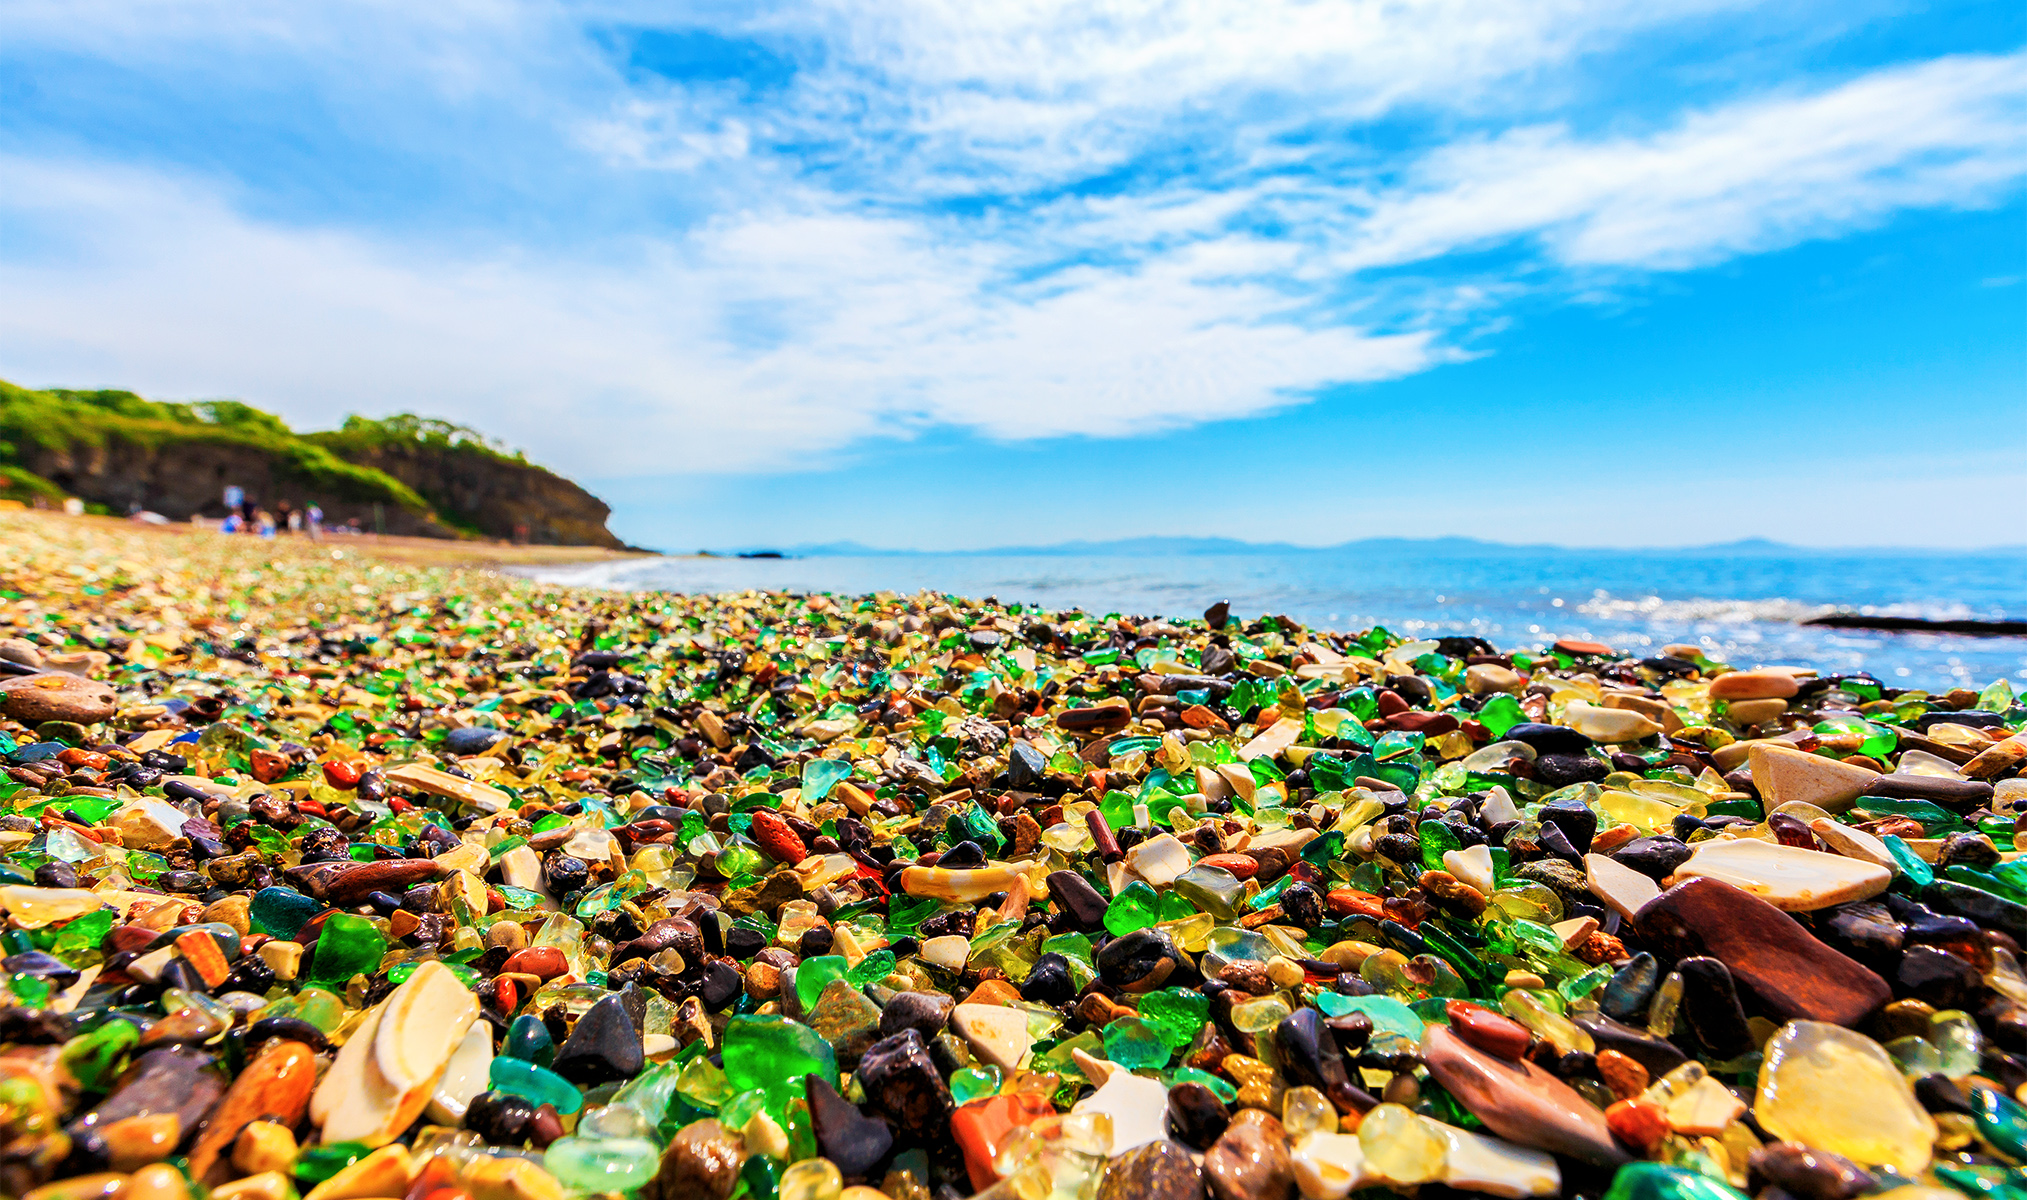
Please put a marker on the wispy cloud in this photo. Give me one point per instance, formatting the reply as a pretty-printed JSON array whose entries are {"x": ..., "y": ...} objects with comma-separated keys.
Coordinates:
[
  {"x": 1024, "y": 220},
  {"x": 1752, "y": 176}
]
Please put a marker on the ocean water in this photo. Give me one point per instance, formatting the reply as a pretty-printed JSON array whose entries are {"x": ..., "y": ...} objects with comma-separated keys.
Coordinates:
[{"x": 1744, "y": 609}]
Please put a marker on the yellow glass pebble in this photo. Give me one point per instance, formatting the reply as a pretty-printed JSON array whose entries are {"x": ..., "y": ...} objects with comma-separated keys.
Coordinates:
[
  {"x": 1304, "y": 1111},
  {"x": 1811, "y": 1073},
  {"x": 811, "y": 1179},
  {"x": 1400, "y": 1147}
]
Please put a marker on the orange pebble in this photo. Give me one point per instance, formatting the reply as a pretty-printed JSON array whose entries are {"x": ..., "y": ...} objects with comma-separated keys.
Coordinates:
[{"x": 1639, "y": 1123}]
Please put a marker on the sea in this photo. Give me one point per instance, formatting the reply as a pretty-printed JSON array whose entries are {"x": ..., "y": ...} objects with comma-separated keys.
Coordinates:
[{"x": 1743, "y": 605}]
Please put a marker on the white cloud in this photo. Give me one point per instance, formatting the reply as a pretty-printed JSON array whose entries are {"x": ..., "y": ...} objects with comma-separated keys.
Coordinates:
[
  {"x": 752, "y": 343},
  {"x": 1750, "y": 177}
]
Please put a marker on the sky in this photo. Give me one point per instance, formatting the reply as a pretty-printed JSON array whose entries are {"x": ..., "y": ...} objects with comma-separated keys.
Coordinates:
[{"x": 936, "y": 275}]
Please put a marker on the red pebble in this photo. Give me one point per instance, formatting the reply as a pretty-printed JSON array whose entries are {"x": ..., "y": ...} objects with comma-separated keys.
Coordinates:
[
  {"x": 1498, "y": 1036},
  {"x": 505, "y": 997},
  {"x": 268, "y": 766},
  {"x": 1639, "y": 1123},
  {"x": 772, "y": 834},
  {"x": 1427, "y": 723},
  {"x": 1346, "y": 902},
  {"x": 982, "y": 1129},
  {"x": 341, "y": 775},
  {"x": 544, "y": 962},
  {"x": 313, "y": 808},
  {"x": 1240, "y": 865}
]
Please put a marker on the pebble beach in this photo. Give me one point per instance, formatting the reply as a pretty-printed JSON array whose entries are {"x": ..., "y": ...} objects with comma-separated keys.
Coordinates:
[{"x": 355, "y": 870}]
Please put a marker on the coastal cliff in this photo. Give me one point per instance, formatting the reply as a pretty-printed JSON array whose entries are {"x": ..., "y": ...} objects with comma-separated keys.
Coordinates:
[{"x": 404, "y": 475}]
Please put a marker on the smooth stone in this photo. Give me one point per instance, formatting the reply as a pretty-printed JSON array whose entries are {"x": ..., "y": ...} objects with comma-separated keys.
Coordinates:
[
  {"x": 1609, "y": 725},
  {"x": 1943, "y": 790},
  {"x": 464, "y": 1077},
  {"x": 174, "y": 1079},
  {"x": 1711, "y": 1007},
  {"x": 1705, "y": 1109},
  {"x": 1310, "y": 1055},
  {"x": 1548, "y": 739},
  {"x": 472, "y": 739},
  {"x": 342, "y": 883},
  {"x": 1159, "y": 860},
  {"x": 1788, "y": 877},
  {"x": 1657, "y": 1055},
  {"x": 1811, "y": 1076},
  {"x": 1328, "y": 1166},
  {"x": 902, "y": 1083},
  {"x": 1811, "y": 1174},
  {"x": 1251, "y": 1161},
  {"x": 701, "y": 1163},
  {"x": 1752, "y": 712},
  {"x": 1784, "y": 774},
  {"x": 998, "y": 1034},
  {"x": 1472, "y": 865},
  {"x": 1485, "y": 679},
  {"x": 1159, "y": 1170},
  {"x": 1562, "y": 770},
  {"x": 1476, "y": 1163},
  {"x": 1623, "y": 889},
  {"x": 1196, "y": 1117},
  {"x": 1655, "y": 857},
  {"x": 1626, "y": 995},
  {"x": 846, "y": 1136},
  {"x": 1137, "y": 1105},
  {"x": 1754, "y": 685},
  {"x": 1140, "y": 961},
  {"x": 1519, "y": 1101},
  {"x": 1074, "y": 895},
  {"x": 57, "y": 696},
  {"x": 603, "y": 1047},
  {"x": 1852, "y": 842},
  {"x": 1499, "y": 1036},
  {"x": 1575, "y": 819},
  {"x": 925, "y": 1012},
  {"x": 1049, "y": 981},
  {"x": 847, "y": 1020},
  {"x": 1792, "y": 975}
]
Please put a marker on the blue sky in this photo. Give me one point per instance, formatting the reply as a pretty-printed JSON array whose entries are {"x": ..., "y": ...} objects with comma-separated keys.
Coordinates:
[{"x": 940, "y": 275}]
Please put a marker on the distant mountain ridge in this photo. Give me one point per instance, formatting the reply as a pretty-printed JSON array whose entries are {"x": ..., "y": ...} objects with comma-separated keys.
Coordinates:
[{"x": 403, "y": 475}]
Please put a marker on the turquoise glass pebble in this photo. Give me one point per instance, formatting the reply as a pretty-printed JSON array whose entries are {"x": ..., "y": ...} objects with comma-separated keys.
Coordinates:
[
  {"x": 281, "y": 912},
  {"x": 528, "y": 1039},
  {"x": 974, "y": 1083},
  {"x": 1136, "y": 1044},
  {"x": 602, "y": 1164},
  {"x": 536, "y": 1085}
]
